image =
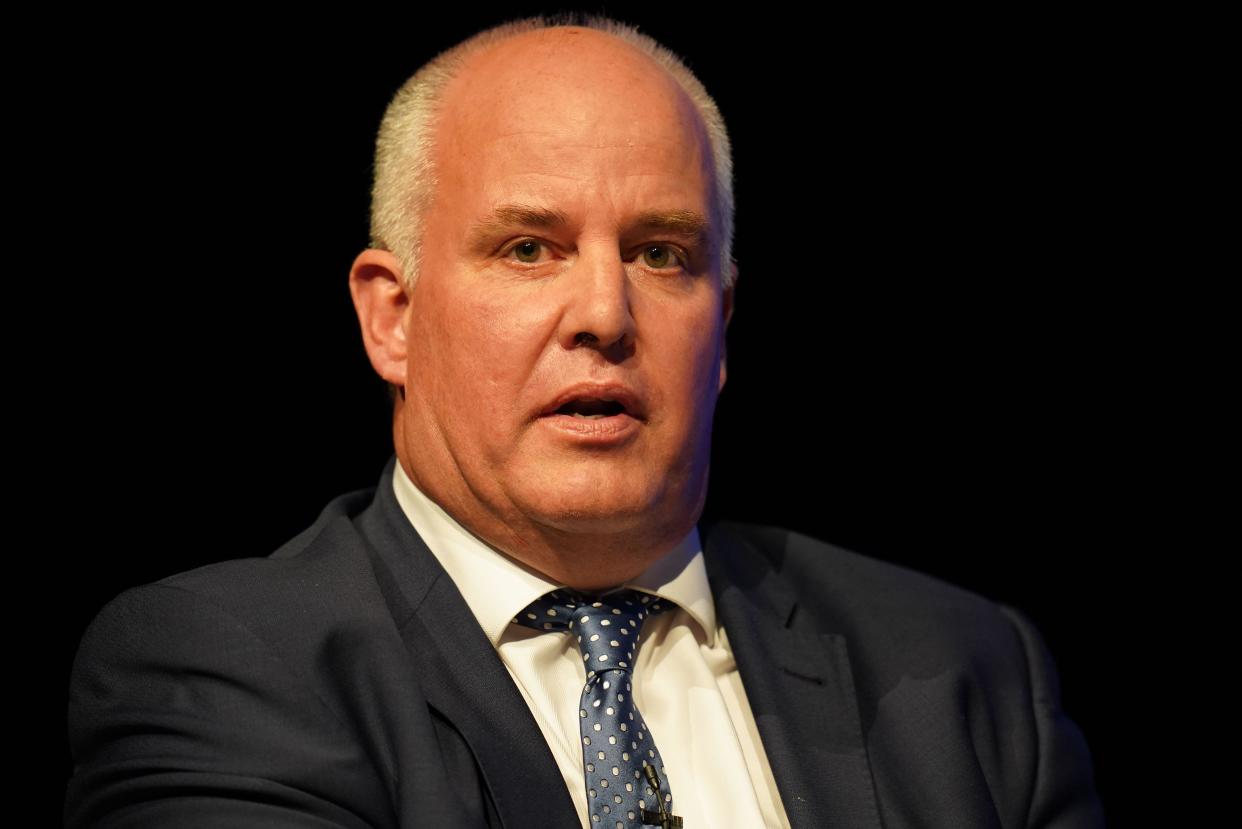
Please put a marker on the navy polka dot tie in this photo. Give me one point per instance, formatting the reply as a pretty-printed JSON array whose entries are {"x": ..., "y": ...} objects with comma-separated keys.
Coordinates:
[{"x": 625, "y": 779}]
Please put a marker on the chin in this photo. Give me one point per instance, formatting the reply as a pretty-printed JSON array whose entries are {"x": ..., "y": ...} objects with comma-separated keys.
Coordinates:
[
  {"x": 609, "y": 506},
  {"x": 620, "y": 498},
  {"x": 617, "y": 511},
  {"x": 595, "y": 516}
]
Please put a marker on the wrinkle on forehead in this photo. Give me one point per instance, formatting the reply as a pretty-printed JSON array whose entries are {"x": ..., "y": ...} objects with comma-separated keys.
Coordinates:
[{"x": 585, "y": 123}]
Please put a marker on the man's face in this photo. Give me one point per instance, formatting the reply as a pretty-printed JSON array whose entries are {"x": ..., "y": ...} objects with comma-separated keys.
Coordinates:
[{"x": 565, "y": 336}]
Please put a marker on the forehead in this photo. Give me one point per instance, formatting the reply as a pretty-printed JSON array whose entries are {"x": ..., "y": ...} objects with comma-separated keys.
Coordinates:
[{"x": 572, "y": 101}]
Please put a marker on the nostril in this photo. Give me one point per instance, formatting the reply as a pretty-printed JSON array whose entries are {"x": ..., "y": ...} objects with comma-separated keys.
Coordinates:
[{"x": 585, "y": 337}]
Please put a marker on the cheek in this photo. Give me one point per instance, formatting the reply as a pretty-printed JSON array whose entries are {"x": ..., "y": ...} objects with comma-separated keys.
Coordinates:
[
  {"x": 688, "y": 380},
  {"x": 693, "y": 349},
  {"x": 486, "y": 347}
]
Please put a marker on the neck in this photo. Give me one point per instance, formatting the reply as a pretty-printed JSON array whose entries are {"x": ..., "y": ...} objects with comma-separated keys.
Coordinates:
[{"x": 587, "y": 562}]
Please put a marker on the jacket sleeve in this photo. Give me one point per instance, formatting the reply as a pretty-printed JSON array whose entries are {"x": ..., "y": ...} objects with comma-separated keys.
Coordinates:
[
  {"x": 1064, "y": 794},
  {"x": 179, "y": 716}
]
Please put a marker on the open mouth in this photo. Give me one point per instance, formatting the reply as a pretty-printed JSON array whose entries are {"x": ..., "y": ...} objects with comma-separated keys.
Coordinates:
[{"x": 591, "y": 408}]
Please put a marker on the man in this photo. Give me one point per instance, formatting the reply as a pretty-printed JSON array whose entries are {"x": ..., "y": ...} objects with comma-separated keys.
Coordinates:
[{"x": 522, "y": 625}]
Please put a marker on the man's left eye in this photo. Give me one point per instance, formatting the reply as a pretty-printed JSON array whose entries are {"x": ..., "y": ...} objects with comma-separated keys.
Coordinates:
[{"x": 662, "y": 256}]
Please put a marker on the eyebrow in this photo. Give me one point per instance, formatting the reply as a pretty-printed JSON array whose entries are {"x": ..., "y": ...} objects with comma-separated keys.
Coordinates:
[
  {"x": 509, "y": 216},
  {"x": 687, "y": 225}
]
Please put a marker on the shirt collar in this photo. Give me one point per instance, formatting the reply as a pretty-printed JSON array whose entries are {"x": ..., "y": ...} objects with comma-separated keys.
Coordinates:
[
  {"x": 680, "y": 575},
  {"x": 497, "y": 588}
]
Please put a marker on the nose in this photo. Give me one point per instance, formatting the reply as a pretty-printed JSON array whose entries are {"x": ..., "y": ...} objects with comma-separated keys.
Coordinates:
[{"x": 597, "y": 312}]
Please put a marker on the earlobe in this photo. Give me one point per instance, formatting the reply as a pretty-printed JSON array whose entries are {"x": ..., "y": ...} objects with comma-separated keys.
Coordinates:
[{"x": 380, "y": 300}]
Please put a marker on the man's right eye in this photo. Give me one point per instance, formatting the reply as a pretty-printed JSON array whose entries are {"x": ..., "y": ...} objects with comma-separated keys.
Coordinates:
[{"x": 527, "y": 250}]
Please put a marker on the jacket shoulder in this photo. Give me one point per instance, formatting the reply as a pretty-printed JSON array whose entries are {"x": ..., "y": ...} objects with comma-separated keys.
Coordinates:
[
  {"x": 897, "y": 620},
  {"x": 818, "y": 570},
  {"x": 308, "y": 581},
  {"x": 281, "y": 608},
  {"x": 233, "y": 686}
]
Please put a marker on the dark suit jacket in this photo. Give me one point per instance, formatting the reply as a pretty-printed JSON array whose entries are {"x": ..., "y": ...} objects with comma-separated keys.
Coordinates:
[{"x": 342, "y": 681}]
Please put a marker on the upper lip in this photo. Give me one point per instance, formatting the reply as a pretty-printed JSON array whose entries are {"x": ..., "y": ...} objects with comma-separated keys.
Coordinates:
[{"x": 633, "y": 403}]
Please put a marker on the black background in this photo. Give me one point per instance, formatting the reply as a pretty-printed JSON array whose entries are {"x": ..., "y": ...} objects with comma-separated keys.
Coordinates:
[{"x": 929, "y": 361}]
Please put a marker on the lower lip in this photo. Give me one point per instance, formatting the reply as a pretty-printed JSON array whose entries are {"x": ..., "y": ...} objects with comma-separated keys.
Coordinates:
[{"x": 593, "y": 431}]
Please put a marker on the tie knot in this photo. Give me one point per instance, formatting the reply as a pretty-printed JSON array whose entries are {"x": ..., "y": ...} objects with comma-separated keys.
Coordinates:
[{"x": 607, "y": 627}]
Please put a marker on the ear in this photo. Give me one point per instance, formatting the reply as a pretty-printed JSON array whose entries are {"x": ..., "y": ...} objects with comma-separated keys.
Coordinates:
[
  {"x": 380, "y": 300},
  {"x": 727, "y": 311}
]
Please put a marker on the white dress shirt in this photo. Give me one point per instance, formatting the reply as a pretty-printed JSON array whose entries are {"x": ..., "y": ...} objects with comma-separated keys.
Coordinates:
[{"x": 686, "y": 683}]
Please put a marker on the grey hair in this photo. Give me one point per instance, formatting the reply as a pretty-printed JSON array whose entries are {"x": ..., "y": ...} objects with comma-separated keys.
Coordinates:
[{"x": 404, "y": 172}]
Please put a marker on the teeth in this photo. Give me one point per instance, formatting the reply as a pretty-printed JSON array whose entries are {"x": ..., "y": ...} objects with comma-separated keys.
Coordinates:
[{"x": 592, "y": 417}]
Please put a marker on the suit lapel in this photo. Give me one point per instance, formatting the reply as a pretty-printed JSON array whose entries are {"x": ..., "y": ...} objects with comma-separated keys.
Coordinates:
[
  {"x": 462, "y": 676},
  {"x": 798, "y": 682},
  {"x": 800, "y": 688}
]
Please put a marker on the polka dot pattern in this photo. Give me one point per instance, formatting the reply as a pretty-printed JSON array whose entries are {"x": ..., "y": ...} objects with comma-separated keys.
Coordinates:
[{"x": 616, "y": 743}]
